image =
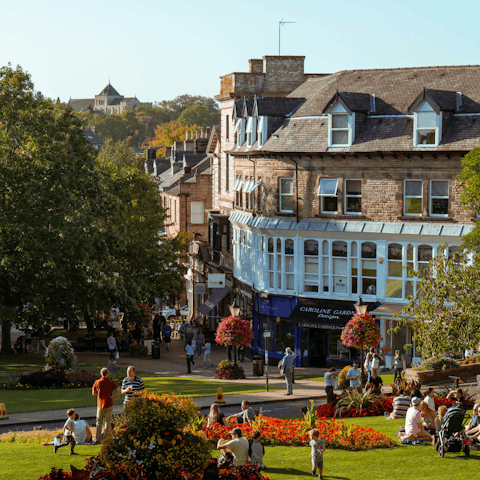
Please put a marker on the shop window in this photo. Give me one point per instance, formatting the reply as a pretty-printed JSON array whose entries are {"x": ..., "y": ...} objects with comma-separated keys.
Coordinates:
[
  {"x": 310, "y": 279},
  {"x": 289, "y": 264},
  {"x": 271, "y": 264},
  {"x": 279, "y": 263},
  {"x": 340, "y": 268},
  {"x": 326, "y": 266},
  {"x": 394, "y": 271}
]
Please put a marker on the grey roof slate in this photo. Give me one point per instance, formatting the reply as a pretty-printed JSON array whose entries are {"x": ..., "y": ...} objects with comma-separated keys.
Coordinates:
[
  {"x": 277, "y": 106},
  {"x": 109, "y": 91}
]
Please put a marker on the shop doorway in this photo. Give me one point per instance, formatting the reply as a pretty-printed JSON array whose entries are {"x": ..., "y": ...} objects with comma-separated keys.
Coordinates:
[{"x": 318, "y": 347}]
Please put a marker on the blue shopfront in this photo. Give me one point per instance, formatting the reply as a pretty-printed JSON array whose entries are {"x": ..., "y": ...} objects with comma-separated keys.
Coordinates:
[{"x": 310, "y": 327}]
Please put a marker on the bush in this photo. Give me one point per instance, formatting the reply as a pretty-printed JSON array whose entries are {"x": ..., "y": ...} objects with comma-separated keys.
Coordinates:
[
  {"x": 437, "y": 363},
  {"x": 48, "y": 379},
  {"x": 153, "y": 433},
  {"x": 342, "y": 378},
  {"x": 138, "y": 350},
  {"x": 228, "y": 370}
]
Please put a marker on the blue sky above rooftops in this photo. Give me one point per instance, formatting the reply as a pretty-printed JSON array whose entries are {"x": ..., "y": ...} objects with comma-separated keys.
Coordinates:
[{"x": 158, "y": 49}]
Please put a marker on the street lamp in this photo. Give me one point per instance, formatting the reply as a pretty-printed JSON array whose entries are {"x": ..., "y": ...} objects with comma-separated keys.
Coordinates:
[
  {"x": 361, "y": 309},
  {"x": 234, "y": 312}
]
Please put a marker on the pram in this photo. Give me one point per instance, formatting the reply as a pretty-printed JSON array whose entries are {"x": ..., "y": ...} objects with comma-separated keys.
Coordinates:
[{"x": 451, "y": 437}]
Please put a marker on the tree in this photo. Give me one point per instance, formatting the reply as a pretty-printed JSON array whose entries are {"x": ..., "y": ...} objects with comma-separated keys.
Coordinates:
[
  {"x": 168, "y": 133},
  {"x": 361, "y": 332},
  {"x": 445, "y": 314},
  {"x": 180, "y": 103},
  {"x": 199, "y": 115},
  {"x": 77, "y": 232},
  {"x": 469, "y": 180}
]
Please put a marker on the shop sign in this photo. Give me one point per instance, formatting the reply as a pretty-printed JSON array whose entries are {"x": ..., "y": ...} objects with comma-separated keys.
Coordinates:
[
  {"x": 216, "y": 280},
  {"x": 200, "y": 289}
]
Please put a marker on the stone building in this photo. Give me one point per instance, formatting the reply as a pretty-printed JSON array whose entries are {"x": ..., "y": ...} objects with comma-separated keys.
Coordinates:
[
  {"x": 108, "y": 101},
  {"x": 354, "y": 187}
]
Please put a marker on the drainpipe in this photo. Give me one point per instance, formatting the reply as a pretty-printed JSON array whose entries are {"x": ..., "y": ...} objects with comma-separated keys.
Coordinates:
[{"x": 296, "y": 184}]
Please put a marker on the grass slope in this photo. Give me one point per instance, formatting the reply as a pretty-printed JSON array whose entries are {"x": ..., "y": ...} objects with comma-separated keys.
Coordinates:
[{"x": 28, "y": 462}]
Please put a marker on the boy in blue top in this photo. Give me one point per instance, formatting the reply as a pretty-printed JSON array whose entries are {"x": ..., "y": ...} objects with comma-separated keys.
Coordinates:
[
  {"x": 167, "y": 333},
  {"x": 317, "y": 448}
]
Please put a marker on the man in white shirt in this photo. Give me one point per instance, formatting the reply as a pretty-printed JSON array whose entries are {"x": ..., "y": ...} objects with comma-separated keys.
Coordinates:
[
  {"x": 355, "y": 375},
  {"x": 430, "y": 398},
  {"x": 413, "y": 424},
  {"x": 238, "y": 445}
]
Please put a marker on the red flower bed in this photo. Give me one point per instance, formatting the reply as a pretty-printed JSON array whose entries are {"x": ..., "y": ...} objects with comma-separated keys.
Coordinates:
[
  {"x": 375, "y": 409},
  {"x": 294, "y": 432}
]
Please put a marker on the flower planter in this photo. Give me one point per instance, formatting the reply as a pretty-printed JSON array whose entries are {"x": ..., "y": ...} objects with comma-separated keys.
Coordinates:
[{"x": 428, "y": 376}]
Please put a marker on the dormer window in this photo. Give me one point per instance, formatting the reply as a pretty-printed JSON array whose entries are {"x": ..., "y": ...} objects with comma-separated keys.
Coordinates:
[
  {"x": 341, "y": 126},
  {"x": 240, "y": 131},
  {"x": 427, "y": 126},
  {"x": 262, "y": 131},
  {"x": 251, "y": 131}
]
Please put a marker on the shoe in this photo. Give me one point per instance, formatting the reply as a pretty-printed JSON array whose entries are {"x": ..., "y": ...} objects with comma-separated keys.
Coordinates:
[
  {"x": 45, "y": 444},
  {"x": 73, "y": 453},
  {"x": 387, "y": 416},
  {"x": 194, "y": 367}
]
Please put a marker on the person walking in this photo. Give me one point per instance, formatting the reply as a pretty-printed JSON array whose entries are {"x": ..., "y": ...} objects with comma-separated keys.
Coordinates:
[
  {"x": 106, "y": 391},
  {"x": 131, "y": 384},
  {"x": 190, "y": 349},
  {"x": 167, "y": 333},
  {"x": 287, "y": 367},
  {"x": 112, "y": 347}
]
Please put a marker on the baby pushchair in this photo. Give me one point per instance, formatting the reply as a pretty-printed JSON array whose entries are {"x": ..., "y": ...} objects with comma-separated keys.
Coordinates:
[{"x": 451, "y": 437}]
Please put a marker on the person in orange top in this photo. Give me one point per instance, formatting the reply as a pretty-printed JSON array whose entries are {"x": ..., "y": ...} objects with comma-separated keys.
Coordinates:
[{"x": 104, "y": 389}]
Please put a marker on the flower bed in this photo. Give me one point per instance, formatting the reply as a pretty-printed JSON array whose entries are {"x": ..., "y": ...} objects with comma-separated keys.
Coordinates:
[
  {"x": 375, "y": 409},
  {"x": 295, "y": 433}
]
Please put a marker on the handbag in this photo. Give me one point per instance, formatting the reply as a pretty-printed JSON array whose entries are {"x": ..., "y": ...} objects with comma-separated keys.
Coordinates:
[
  {"x": 282, "y": 371},
  {"x": 117, "y": 355}
]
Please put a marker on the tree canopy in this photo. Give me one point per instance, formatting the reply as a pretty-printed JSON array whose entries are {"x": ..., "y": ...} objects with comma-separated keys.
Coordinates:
[
  {"x": 77, "y": 232},
  {"x": 168, "y": 133},
  {"x": 445, "y": 313}
]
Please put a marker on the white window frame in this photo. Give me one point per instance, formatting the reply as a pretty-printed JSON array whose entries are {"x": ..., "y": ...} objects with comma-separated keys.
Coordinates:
[
  {"x": 262, "y": 131},
  {"x": 338, "y": 109},
  {"x": 281, "y": 194},
  {"x": 240, "y": 130},
  {"x": 347, "y": 196},
  {"x": 195, "y": 215},
  {"x": 238, "y": 183},
  {"x": 405, "y": 196},
  {"x": 425, "y": 107},
  {"x": 322, "y": 193},
  {"x": 251, "y": 131},
  {"x": 432, "y": 197}
]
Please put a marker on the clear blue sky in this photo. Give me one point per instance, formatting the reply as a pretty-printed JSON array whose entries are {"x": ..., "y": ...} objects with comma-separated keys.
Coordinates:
[{"x": 159, "y": 49}]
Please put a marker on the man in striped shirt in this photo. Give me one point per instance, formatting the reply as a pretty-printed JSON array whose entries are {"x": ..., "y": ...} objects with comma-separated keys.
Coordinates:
[
  {"x": 131, "y": 384},
  {"x": 400, "y": 405}
]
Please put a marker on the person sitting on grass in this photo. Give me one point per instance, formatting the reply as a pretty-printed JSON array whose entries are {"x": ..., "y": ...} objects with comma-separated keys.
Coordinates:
[
  {"x": 473, "y": 428},
  {"x": 400, "y": 404},
  {"x": 442, "y": 410},
  {"x": 413, "y": 424},
  {"x": 428, "y": 417},
  {"x": 317, "y": 447},
  {"x": 256, "y": 451},
  {"x": 375, "y": 383},
  {"x": 215, "y": 416},
  {"x": 430, "y": 398},
  {"x": 238, "y": 445},
  {"x": 458, "y": 396},
  {"x": 246, "y": 415}
]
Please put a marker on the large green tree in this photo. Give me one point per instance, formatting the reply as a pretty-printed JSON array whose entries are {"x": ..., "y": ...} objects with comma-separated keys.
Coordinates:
[
  {"x": 77, "y": 232},
  {"x": 445, "y": 313}
]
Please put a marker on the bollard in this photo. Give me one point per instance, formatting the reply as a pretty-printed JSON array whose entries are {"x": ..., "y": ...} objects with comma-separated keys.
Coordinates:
[
  {"x": 219, "y": 396},
  {"x": 3, "y": 412}
]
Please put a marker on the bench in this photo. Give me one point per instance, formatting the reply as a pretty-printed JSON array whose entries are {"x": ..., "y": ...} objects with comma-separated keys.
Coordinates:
[{"x": 81, "y": 345}]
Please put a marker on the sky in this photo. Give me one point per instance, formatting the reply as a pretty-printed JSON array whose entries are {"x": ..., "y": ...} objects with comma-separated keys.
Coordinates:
[{"x": 158, "y": 49}]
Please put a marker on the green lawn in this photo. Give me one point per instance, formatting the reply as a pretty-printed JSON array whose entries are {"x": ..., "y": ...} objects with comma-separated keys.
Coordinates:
[
  {"x": 28, "y": 462},
  {"x": 54, "y": 399}
]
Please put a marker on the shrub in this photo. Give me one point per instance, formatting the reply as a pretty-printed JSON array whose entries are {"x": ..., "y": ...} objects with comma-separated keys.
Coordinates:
[
  {"x": 138, "y": 350},
  {"x": 342, "y": 378},
  {"x": 60, "y": 354},
  {"x": 437, "y": 363},
  {"x": 152, "y": 433},
  {"x": 354, "y": 400},
  {"x": 228, "y": 370}
]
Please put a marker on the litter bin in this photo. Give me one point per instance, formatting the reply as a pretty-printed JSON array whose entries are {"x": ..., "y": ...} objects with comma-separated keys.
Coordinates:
[
  {"x": 257, "y": 366},
  {"x": 156, "y": 350}
]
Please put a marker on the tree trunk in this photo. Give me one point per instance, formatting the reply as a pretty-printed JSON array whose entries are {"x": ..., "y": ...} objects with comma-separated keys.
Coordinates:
[{"x": 6, "y": 338}]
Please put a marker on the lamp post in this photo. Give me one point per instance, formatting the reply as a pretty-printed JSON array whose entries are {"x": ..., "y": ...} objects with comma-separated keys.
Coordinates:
[
  {"x": 234, "y": 312},
  {"x": 361, "y": 309}
]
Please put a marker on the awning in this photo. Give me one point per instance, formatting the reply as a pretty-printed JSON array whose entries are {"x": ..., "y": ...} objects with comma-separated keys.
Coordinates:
[
  {"x": 322, "y": 313},
  {"x": 388, "y": 309},
  {"x": 213, "y": 300}
]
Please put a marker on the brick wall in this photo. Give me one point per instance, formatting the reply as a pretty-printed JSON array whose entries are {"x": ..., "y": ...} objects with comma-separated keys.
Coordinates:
[{"x": 382, "y": 184}]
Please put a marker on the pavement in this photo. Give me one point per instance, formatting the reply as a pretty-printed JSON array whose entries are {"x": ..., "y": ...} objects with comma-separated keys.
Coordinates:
[{"x": 173, "y": 363}]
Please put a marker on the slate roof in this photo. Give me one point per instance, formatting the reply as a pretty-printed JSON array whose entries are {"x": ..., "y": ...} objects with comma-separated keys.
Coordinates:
[
  {"x": 275, "y": 106},
  {"x": 93, "y": 138},
  {"x": 82, "y": 104},
  {"x": 109, "y": 91}
]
